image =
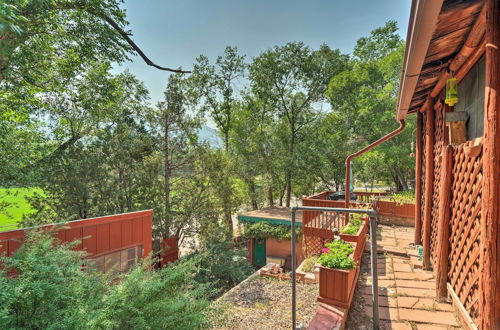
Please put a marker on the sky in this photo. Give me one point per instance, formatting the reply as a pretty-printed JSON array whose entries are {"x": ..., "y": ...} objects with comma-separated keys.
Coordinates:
[{"x": 173, "y": 33}]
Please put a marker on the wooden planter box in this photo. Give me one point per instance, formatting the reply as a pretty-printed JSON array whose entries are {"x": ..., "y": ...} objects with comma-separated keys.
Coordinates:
[
  {"x": 336, "y": 286},
  {"x": 359, "y": 239}
]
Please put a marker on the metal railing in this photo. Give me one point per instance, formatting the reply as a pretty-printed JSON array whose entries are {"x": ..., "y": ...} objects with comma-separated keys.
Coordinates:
[{"x": 373, "y": 255}]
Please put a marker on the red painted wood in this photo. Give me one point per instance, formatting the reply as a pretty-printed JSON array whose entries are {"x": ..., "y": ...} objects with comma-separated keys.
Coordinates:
[
  {"x": 73, "y": 234},
  {"x": 103, "y": 238},
  {"x": 89, "y": 239},
  {"x": 115, "y": 235},
  {"x": 490, "y": 213},
  {"x": 137, "y": 230},
  {"x": 418, "y": 181},
  {"x": 98, "y": 235},
  {"x": 429, "y": 179},
  {"x": 443, "y": 238},
  {"x": 127, "y": 232}
]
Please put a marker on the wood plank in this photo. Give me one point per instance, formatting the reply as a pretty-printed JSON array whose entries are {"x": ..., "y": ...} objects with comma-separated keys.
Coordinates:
[
  {"x": 418, "y": 181},
  {"x": 490, "y": 221},
  {"x": 429, "y": 179},
  {"x": 443, "y": 237}
]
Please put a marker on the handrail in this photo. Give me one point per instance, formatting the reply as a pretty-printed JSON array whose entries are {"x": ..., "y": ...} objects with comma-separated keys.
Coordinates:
[{"x": 373, "y": 214}]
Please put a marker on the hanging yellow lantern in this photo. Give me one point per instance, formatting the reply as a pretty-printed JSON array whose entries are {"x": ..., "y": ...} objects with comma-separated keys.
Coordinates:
[{"x": 451, "y": 92}]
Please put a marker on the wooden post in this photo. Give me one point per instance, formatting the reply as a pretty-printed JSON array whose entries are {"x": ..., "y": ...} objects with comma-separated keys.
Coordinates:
[
  {"x": 443, "y": 238},
  {"x": 418, "y": 182},
  {"x": 489, "y": 286},
  {"x": 429, "y": 183}
]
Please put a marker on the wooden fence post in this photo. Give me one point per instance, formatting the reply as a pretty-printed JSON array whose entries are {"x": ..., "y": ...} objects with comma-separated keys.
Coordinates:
[
  {"x": 429, "y": 183},
  {"x": 489, "y": 286},
  {"x": 418, "y": 181},
  {"x": 443, "y": 238}
]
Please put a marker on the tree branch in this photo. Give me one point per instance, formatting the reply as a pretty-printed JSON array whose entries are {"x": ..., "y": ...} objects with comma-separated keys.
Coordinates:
[{"x": 125, "y": 36}]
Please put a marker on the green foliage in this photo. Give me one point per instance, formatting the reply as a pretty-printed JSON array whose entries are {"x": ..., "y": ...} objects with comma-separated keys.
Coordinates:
[
  {"x": 219, "y": 264},
  {"x": 50, "y": 290},
  {"x": 337, "y": 261},
  {"x": 336, "y": 255},
  {"x": 263, "y": 230},
  {"x": 308, "y": 263},
  {"x": 352, "y": 228},
  {"x": 407, "y": 196}
]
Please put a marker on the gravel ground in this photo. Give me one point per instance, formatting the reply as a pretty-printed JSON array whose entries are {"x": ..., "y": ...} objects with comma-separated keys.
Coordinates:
[{"x": 265, "y": 303}]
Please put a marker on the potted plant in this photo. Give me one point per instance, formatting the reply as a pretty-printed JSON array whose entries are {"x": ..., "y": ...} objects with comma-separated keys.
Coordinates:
[
  {"x": 337, "y": 274},
  {"x": 355, "y": 231}
]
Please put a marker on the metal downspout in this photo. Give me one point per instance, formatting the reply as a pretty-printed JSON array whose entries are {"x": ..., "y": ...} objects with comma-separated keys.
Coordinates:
[{"x": 362, "y": 151}]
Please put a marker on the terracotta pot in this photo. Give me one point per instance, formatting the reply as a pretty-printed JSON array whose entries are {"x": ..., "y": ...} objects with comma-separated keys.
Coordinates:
[{"x": 336, "y": 286}]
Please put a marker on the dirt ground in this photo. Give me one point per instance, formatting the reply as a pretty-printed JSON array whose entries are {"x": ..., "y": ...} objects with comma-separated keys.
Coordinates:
[{"x": 265, "y": 303}]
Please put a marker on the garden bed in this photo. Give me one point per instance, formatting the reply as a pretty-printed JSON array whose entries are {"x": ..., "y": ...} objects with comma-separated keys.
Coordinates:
[
  {"x": 264, "y": 303},
  {"x": 359, "y": 239}
]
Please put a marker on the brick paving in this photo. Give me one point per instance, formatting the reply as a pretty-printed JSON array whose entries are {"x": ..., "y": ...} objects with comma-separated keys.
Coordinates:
[{"x": 407, "y": 297}]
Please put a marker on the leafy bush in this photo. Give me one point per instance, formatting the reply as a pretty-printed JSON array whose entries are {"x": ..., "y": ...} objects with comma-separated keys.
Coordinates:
[
  {"x": 336, "y": 255},
  {"x": 220, "y": 265},
  {"x": 263, "y": 230},
  {"x": 407, "y": 196},
  {"x": 308, "y": 263},
  {"x": 43, "y": 286}
]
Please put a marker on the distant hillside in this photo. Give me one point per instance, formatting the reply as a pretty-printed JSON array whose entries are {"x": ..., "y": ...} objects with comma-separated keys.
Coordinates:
[{"x": 210, "y": 135}]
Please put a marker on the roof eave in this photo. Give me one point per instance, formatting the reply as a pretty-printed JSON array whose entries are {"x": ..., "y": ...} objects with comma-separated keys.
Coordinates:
[{"x": 423, "y": 19}]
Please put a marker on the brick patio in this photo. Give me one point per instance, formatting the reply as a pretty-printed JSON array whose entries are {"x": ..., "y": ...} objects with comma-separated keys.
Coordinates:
[{"x": 406, "y": 292}]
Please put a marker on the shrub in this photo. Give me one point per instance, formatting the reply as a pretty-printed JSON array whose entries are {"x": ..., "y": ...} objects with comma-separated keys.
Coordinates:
[
  {"x": 43, "y": 285},
  {"x": 263, "y": 230},
  {"x": 308, "y": 263},
  {"x": 219, "y": 265}
]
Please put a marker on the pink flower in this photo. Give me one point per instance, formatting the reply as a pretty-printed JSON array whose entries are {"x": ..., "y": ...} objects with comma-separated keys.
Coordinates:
[{"x": 325, "y": 250}]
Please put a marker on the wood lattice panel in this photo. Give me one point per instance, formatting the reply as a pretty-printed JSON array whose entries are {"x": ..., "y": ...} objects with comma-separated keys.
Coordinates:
[
  {"x": 439, "y": 141},
  {"x": 463, "y": 270},
  {"x": 317, "y": 228}
]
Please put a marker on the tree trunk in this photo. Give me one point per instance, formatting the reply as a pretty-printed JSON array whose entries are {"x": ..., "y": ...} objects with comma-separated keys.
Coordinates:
[
  {"x": 290, "y": 166},
  {"x": 167, "y": 175},
  {"x": 252, "y": 193},
  {"x": 282, "y": 195},
  {"x": 270, "y": 197}
]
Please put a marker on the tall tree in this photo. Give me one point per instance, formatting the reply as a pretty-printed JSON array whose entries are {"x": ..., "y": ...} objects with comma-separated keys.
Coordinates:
[
  {"x": 293, "y": 77},
  {"x": 215, "y": 87},
  {"x": 364, "y": 98}
]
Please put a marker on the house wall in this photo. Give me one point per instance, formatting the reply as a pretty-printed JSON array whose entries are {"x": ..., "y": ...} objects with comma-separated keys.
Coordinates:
[
  {"x": 103, "y": 238},
  {"x": 283, "y": 249},
  {"x": 462, "y": 237}
]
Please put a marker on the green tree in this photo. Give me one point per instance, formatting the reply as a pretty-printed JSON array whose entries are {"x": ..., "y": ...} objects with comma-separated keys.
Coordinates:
[
  {"x": 293, "y": 78},
  {"x": 364, "y": 98}
]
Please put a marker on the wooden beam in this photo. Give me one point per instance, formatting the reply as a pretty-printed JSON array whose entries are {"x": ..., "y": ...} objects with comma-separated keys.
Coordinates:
[
  {"x": 418, "y": 182},
  {"x": 429, "y": 184},
  {"x": 468, "y": 55},
  {"x": 443, "y": 238},
  {"x": 490, "y": 213}
]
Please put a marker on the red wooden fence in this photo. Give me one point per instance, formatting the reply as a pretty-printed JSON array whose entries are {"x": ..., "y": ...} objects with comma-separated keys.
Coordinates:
[{"x": 99, "y": 236}]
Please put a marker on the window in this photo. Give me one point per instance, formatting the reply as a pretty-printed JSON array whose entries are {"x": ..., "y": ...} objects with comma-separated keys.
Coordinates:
[
  {"x": 471, "y": 98},
  {"x": 119, "y": 261}
]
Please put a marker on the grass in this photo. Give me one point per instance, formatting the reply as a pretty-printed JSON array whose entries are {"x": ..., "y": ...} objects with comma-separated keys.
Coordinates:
[{"x": 16, "y": 205}]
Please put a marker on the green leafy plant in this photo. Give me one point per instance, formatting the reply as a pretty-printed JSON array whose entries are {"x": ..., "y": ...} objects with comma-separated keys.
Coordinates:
[
  {"x": 336, "y": 255},
  {"x": 352, "y": 228},
  {"x": 219, "y": 265},
  {"x": 263, "y": 230},
  {"x": 308, "y": 263},
  {"x": 404, "y": 197},
  {"x": 43, "y": 286}
]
